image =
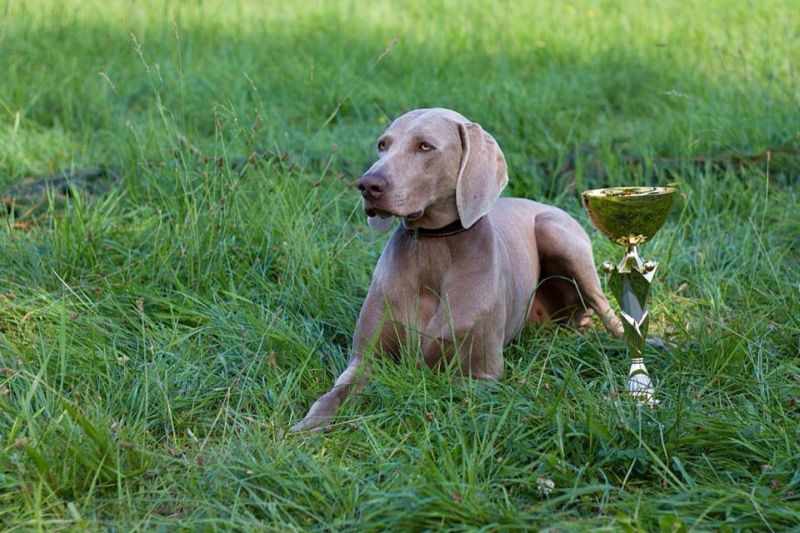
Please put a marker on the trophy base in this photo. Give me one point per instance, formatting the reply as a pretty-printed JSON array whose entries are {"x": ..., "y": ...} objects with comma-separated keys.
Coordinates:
[{"x": 640, "y": 386}]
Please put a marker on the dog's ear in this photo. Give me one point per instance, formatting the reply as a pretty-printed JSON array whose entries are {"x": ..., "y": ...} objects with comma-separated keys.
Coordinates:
[
  {"x": 381, "y": 225},
  {"x": 482, "y": 176}
]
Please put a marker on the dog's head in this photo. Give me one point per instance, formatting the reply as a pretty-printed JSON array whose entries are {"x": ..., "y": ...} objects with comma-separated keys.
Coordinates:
[{"x": 434, "y": 167}]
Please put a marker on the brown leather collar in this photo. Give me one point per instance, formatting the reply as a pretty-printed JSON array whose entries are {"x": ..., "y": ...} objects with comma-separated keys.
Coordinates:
[{"x": 445, "y": 231}]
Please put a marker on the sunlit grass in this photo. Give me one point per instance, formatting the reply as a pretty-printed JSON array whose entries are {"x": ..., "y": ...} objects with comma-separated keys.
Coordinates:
[{"x": 157, "y": 340}]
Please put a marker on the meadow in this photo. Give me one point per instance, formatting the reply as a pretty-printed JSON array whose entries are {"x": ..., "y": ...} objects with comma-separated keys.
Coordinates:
[{"x": 171, "y": 310}]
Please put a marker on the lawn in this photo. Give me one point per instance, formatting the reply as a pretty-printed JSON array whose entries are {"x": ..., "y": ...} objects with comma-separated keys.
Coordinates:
[{"x": 167, "y": 316}]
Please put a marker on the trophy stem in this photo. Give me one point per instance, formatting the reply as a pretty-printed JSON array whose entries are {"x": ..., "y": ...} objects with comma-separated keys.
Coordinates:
[{"x": 630, "y": 282}]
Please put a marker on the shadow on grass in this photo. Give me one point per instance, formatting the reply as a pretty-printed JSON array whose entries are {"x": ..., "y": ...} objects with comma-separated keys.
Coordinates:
[{"x": 562, "y": 112}]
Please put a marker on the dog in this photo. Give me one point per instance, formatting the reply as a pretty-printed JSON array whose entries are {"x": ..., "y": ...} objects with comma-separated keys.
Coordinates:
[{"x": 465, "y": 270}]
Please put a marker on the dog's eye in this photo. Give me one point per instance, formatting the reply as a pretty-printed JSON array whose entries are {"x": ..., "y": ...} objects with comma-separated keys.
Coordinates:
[
  {"x": 381, "y": 145},
  {"x": 424, "y": 147}
]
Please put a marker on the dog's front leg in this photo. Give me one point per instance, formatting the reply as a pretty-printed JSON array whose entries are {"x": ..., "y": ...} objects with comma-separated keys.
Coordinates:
[
  {"x": 321, "y": 413},
  {"x": 374, "y": 333}
]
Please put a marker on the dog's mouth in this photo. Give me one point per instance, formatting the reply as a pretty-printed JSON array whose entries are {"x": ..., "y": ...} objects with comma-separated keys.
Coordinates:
[
  {"x": 374, "y": 212},
  {"x": 381, "y": 213}
]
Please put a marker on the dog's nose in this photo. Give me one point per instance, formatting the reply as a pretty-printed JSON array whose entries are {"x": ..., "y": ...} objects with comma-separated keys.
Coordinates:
[{"x": 372, "y": 186}]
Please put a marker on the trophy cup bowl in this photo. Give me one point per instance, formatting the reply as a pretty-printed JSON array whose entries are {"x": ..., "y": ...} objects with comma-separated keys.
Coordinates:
[{"x": 630, "y": 216}]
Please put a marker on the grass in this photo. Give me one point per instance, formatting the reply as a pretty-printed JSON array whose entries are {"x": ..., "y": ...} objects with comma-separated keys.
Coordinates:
[{"x": 157, "y": 339}]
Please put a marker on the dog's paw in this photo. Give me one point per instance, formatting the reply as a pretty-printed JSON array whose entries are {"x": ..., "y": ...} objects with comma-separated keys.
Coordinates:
[
  {"x": 310, "y": 426},
  {"x": 319, "y": 416}
]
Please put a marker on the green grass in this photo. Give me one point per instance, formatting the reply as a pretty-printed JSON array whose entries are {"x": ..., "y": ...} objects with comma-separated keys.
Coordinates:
[{"x": 157, "y": 340}]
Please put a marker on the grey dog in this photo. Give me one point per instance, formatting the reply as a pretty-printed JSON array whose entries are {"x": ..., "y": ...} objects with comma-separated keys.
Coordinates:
[{"x": 462, "y": 272}]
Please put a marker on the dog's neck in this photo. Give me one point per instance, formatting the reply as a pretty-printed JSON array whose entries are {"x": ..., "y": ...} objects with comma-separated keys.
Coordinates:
[{"x": 453, "y": 228}]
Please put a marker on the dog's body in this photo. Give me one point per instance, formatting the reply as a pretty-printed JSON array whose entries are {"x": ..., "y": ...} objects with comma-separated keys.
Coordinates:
[{"x": 465, "y": 271}]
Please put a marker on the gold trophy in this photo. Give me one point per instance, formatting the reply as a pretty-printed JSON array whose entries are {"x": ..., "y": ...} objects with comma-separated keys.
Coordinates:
[{"x": 630, "y": 216}]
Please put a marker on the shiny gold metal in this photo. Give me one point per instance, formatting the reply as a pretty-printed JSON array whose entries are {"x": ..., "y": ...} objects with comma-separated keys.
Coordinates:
[{"x": 630, "y": 216}]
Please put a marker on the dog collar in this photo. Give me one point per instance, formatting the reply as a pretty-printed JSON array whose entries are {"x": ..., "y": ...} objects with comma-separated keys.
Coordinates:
[{"x": 445, "y": 231}]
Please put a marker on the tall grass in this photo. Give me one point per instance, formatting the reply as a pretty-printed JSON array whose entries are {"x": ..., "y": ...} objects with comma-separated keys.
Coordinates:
[{"x": 157, "y": 340}]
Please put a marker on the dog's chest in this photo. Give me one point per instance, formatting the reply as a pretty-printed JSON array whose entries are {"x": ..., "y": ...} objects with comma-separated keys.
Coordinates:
[{"x": 414, "y": 279}]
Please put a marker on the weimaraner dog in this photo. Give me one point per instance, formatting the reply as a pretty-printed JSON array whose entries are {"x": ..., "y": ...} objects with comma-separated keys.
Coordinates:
[{"x": 465, "y": 271}]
